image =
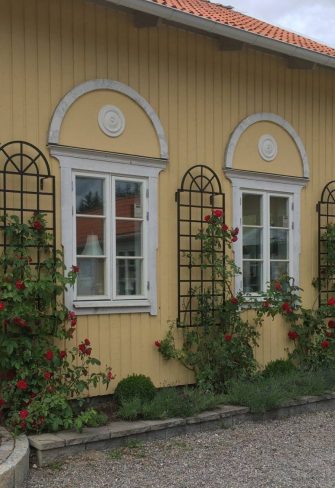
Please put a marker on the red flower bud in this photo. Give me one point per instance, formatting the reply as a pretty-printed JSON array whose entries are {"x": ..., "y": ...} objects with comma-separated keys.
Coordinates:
[
  {"x": 74, "y": 322},
  {"x": 235, "y": 231},
  {"x": 286, "y": 307},
  {"x": 331, "y": 324},
  {"x": 225, "y": 228},
  {"x": 88, "y": 351},
  {"x": 234, "y": 239},
  {"x": 331, "y": 301},
  {"x": 71, "y": 315},
  {"x": 110, "y": 376},
  {"x": 234, "y": 300},
  {"x": 228, "y": 337},
  {"x": 23, "y": 414},
  {"x": 207, "y": 218},
  {"x": 37, "y": 225},
  {"x": 266, "y": 304},
  {"x": 20, "y": 322},
  {"x": 158, "y": 344},
  {"x": 87, "y": 342},
  {"x": 22, "y": 385},
  {"x": 277, "y": 286},
  {"x": 75, "y": 269},
  {"x": 2, "y": 402},
  {"x": 47, "y": 375},
  {"x": 325, "y": 344},
  {"x": 82, "y": 348},
  {"x": 49, "y": 355},
  {"x": 2, "y": 306},
  {"x": 62, "y": 354},
  {"x": 19, "y": 284},
  {"x": 292, "y": 334}
]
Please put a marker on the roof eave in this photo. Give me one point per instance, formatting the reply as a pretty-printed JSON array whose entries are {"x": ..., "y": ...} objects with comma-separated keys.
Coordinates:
[{"x": 215, "y": 28}]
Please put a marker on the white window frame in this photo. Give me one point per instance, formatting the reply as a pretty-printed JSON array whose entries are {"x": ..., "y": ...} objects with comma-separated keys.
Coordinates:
[
  {"x": 267, "y": 184},
  {"x": 75, "y": 161}
]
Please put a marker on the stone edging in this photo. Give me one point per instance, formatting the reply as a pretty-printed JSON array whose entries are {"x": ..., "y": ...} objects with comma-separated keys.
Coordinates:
[
  {"x": 14, "y": 460},
  {"x": 48, "y": 448}
]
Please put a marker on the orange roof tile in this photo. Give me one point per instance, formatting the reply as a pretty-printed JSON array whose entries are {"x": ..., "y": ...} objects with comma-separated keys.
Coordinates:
[{"x": 227, "y": 16}]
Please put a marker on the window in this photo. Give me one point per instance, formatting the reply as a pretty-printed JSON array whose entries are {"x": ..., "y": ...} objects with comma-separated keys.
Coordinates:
[
  {"x": 110, "y": 229},
  {"x": 266, "y": 208},
  {"x": 265, "y": 239},
  {"x": 110, "y": 237}
]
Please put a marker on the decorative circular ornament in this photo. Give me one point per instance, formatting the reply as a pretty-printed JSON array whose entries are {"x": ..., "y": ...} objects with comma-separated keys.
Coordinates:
[
  {"x": 111, "y": 121},
  {"x": 267, "y": 147}
]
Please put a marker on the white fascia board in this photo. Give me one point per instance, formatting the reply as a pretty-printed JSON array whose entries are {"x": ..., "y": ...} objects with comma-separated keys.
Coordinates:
[{"x": 215, "y": 28}]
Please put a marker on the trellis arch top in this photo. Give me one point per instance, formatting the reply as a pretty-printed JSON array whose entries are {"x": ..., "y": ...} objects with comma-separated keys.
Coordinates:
[
  {"x": 93, "y": 92},
  {"x": 284, "y": 129}
]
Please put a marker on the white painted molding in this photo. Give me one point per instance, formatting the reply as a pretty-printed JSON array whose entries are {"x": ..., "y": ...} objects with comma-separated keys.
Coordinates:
[
  {"x": 266, "y": 117},
  {"x": 111, "y": 121},
  {"x": 105, "y": 84},
  {"x": 74, "y": 159},
  {"x": 267, "y": 147}
]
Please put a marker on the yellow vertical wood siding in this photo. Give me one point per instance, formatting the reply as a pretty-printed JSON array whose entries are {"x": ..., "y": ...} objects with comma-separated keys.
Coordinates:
[{"x": 200, "y": 94}]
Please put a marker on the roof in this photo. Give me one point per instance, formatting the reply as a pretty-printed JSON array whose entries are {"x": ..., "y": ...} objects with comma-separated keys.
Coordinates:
[{"x": 227, "y": 16}]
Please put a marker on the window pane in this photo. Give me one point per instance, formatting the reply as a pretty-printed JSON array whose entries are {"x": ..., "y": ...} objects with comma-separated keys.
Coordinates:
[
  {"x": 252, "y": 214},
  {"x": 128, "y": 238},
  {"x": 278, "y": 244},
  {"x": 279, "y": 212},
  {"x": 252, "y": 243},
  {"x": 91, "y": 277},
  {"x": 278, "y": 269},
  {"x": 128, "y": 199},
  {"x": 90, "y": 195},
  {"x": 252, "y": 276},
  {"x": 129, "y": 277},
  {"x": 90, "y": 236}
]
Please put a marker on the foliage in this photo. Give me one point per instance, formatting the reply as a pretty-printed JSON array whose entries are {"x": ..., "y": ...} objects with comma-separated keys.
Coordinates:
[
  {"x": 328, "y": 255},
  {"x": 221, "y": 346},
  {"x": 169, "y": 402},
  {"x": 135, "y": 386},
  {"x": 37, "y": 377},
  {"x": 265, "y": 393},
  {"x": 278, "y": 367},
  {"x": 311, "y": 330}
]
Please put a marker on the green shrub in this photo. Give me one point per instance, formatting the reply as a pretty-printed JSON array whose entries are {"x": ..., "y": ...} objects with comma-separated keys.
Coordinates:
[
  {"x": 278, "y": 367},
  {"x": 169, "y": 402},
  {"x": 135, "y": 386}
]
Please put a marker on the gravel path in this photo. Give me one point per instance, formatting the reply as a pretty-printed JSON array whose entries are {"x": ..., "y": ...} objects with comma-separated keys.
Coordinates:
[{"x": 298, "y": 452}]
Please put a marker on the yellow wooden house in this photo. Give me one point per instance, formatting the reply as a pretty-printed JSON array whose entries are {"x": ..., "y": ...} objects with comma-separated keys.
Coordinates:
[{"x": 125, "y": 96}]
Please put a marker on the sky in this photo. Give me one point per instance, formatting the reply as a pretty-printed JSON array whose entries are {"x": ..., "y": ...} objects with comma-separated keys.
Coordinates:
[{"x": 311, "y": 18}]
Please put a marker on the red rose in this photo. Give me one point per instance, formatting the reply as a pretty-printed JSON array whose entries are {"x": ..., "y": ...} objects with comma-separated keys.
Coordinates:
[
  {"x": 37, "y": 225},
  {"x": 110, "y": 376},
  {"x": 234, "y": 300},
  {"x": 88, "y": 351},
  {"x": 325, "y": 344},
  {"x": 292, "y": 334},
  {"x": 47, "y": 375},
  {"x": 82, "y": 348},
  {"x": 71, "y": 315},
  {"x": 207, "y": 218},
  {"x": 331, "y": 301},
  {"x": 23, "y": 425},
  {"x": 2, "y": 306},
  {"x": 228, "y": 337},
  {"x": 20, "y": 322},
  {"x": 330, "y": 334},
  {"x": 224, "y": 228},
  {"x": 2, "y": 402},
  {"x": 19, "y": 284},
  {"x": 74, "y": 322},
  {"x": 234, "y": 239},
  {"x": 266, "y": 304},
  {"x": 235, "y": 231},
  {"x": 75, "y": 269},
  {"x": 49, "y": 355},
  {"x": 87, "y": 342},
  {"x": 62, "y": 354},
  {"x": 22, "y": 385},
  {"x": 158, "y": 344},
  {"x": 286, "y": 307},
  {"x": 23, "y": 414},
  {"x": 218, "y": 213}
]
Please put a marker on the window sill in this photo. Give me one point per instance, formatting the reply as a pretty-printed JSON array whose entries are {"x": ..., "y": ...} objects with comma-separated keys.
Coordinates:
[{"x": 108, "y": 307}]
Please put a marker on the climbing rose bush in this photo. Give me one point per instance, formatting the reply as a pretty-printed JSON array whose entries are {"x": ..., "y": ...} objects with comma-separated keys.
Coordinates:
[{"x": 39, "y": 372}]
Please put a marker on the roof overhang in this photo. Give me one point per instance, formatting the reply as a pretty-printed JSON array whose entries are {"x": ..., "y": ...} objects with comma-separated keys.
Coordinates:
[{"x": 220, "y": 30}]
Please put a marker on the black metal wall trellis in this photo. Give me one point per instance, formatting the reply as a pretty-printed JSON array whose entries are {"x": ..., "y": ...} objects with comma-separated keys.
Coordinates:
[
  {"x": 326, "y": 217},
  {"x": 199, "y": 195},
  {"x": 26, "y": 187}
]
